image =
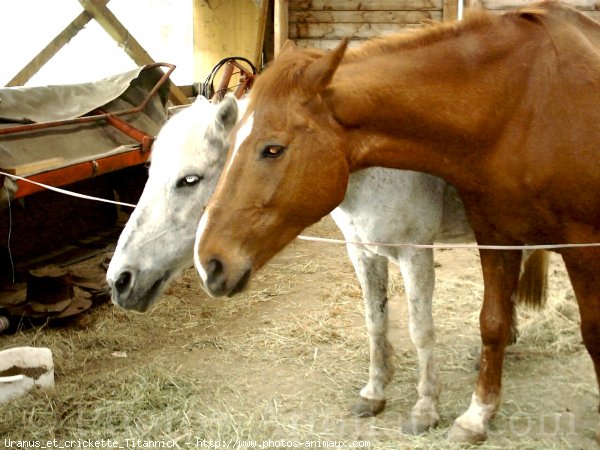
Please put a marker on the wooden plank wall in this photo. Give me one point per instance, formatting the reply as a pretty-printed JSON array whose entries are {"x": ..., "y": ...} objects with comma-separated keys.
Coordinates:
[
  {"x": 589, "y": 7},
  {"x": 322, "y": 23}
]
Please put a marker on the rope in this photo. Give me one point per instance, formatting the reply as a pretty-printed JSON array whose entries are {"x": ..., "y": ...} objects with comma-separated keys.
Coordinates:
[
  {"x": 450, "y": 246},
  {"x": 10, "y": 225},
  {"x": 66, "y": 192},
  {"x": 338, "y": 241}
]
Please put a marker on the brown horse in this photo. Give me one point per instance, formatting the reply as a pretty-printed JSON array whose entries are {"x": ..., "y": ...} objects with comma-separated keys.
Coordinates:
[{"x": 506, "y": 108}]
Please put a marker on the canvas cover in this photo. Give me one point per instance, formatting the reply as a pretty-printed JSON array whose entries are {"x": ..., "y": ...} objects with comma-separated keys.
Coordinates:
[{"x": 65, "y": 145}]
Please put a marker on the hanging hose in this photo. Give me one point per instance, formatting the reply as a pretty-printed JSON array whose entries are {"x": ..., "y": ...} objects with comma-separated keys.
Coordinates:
[{"x": 207, "y": 89}]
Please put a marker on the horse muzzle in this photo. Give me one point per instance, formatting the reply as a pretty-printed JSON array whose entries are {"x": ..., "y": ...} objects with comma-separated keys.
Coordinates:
[
  {"x": 218, "y": 281},
  {"x": 130, "y": 291}
]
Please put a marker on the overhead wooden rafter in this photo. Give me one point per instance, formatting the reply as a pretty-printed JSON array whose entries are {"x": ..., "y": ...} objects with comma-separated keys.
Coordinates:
[
  {"x": 52, "y": 48},
  {"x": 93, "y": 9}
]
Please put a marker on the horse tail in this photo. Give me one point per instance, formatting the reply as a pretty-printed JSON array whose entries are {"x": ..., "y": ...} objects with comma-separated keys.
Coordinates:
[{"x": 533, "y": 282}]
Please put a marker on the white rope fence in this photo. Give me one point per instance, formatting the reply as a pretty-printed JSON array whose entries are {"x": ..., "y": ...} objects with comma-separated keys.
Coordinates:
[
  {"x": 337, "y": 241},
  {"x": 66, "y": 192},
  {"x": 450, "y": 246}
]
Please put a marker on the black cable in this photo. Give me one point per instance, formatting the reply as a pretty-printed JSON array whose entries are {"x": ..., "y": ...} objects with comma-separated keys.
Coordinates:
[{"x": 208, "y": 89}]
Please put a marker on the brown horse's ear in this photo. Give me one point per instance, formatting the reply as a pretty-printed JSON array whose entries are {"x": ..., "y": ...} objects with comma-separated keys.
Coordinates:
[
  {"x": 319, "y": 74},
  {"x": 288, "y": 46}
]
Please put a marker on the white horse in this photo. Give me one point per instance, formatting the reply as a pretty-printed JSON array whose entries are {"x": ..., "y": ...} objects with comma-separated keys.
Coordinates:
[
  {"x": 381, "y": 205},
  {"x": 157, "y": 242}
]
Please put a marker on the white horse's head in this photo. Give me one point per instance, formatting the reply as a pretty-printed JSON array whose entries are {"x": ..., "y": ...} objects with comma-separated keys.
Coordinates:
[{"x": 158, "y": 240}]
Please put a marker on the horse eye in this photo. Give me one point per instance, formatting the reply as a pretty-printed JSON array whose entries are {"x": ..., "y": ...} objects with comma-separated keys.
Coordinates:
[
  {"x": 272, "y": 151},
  {"x": 189, "y": 180}
]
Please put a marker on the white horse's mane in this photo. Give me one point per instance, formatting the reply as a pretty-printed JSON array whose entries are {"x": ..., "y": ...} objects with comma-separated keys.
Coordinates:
[{"x": 184, "y": 127}]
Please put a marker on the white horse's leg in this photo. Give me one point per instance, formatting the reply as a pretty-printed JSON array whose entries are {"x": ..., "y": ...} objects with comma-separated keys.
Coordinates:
[
  {"x": 417, "y": 269},
  {"x": 372, "y": 273}
]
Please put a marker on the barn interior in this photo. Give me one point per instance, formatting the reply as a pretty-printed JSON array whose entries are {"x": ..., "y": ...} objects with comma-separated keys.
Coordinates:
[
  {"x": 84, "y": 122},
  {"x": 83, "y": 96}
]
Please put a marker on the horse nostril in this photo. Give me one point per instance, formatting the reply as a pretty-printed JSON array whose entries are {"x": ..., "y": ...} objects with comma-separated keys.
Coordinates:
[
  {"x": 123, "y": 282},
  {"x": 215, "y": 268}
]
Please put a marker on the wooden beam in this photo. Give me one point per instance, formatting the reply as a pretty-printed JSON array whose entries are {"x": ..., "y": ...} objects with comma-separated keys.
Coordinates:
[
  {"x": 130, "y": 45},
  {"x": 52, "y": 48},
  {"x": 281, "y": 18},
  {"x": 362, "y": 5},
  {"x": 363, "y": 17},
  {"x": 117, "y": 31},
  {"x": 339, "y": 30},
  {"x": 35, "y": 167}
]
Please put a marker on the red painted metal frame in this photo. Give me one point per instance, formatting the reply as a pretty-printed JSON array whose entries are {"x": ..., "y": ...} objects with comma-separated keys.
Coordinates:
[
  {"x": 88, "y": 169},
  {"x": 143, "y": 138},
  {"x": 80, "y": 171},
  {"x": 246, "y": 79}
]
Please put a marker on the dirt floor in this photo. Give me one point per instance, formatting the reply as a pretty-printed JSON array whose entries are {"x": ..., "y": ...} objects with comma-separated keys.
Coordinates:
[{"x": 284, "y": 362}]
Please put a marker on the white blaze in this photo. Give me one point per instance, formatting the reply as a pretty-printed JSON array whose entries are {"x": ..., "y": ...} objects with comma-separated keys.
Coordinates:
[
  {"x": 199, "y": 232},
  {"x": 242, "y": 134}
]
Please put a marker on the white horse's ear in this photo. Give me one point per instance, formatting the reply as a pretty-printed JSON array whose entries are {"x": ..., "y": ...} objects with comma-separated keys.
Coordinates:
[
  {"x": 201, "y": 99},
  {"x": 227, "y": 115}
]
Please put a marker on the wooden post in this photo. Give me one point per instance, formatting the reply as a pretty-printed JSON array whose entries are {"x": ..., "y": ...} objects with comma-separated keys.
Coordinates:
[
  {"x": 52, "y": 48},
  {"x": 227, "y": 28},
  {"x": 130, "y": 45},
  {"x": 260, "y": 38},
  {"x": 281, "y": 24},
  {"x": 450, "y": 11}
]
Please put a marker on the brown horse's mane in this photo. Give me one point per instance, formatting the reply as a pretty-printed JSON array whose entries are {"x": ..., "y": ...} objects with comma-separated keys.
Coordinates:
[
  {"x": 432, "y": 33},
  {"x": 475, "y": 19},
  {"x": 285, "y": 73}
]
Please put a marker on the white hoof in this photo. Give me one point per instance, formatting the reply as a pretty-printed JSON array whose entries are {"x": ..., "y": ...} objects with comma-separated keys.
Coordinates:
[{"x": 463, "y": 435}]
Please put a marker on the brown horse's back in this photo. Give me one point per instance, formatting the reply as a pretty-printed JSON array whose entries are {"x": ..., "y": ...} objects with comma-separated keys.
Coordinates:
[{"x": 542, "y": 173}]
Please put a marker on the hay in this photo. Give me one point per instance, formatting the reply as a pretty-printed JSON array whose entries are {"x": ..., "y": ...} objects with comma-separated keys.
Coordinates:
[{"x": 286, "y": 361}]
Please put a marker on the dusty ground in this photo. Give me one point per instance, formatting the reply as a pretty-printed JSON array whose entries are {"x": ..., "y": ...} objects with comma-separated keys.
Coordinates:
[{"x": 286, "y": 361}]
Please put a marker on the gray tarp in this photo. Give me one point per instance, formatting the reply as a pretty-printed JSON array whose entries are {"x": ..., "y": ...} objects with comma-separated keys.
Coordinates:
[{"x": 69, "y": 144}]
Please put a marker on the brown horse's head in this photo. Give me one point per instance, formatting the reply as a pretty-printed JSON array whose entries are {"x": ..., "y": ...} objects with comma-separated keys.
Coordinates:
[{"x": 286, "y": 170}]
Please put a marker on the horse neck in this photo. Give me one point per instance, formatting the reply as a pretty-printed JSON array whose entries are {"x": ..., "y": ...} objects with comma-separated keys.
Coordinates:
[{"x": 429, "y": 108}]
